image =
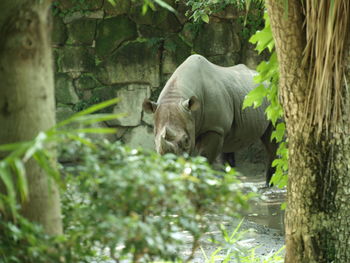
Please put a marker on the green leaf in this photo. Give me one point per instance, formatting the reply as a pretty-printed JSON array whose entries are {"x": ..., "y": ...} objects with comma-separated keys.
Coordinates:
[
  {"x": 37, "y": 144},
  {"x": 284, "y": 206},
  {"x": 279, "y": 131},
  {"x": 22, "y": 184},
  {"x": 205, "y": 18},
  {"x": 95, "y": 130},
  {"x": 47, "y": 164},
  {"x": 87, "y": 111},
  {"x": 112, "y": 2},
  {"x": 99, "y": 117},
  {"x": 255, "y": 97},
  {"x": 263, "y": 39},
  {"x": 80, "y": 139},
  {"x": 12, "y": 146},
  {"x": 165, "y": 5},
  {"x": 6, "y": 179}
]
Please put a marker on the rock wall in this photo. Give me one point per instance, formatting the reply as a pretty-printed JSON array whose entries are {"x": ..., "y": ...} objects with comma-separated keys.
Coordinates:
[{"x": 102, "y": 52}]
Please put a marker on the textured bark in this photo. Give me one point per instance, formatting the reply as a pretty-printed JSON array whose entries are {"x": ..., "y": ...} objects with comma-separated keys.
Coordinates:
[
  {"x": 27, "y": 97},
  {"x": 318, "y": 209}
]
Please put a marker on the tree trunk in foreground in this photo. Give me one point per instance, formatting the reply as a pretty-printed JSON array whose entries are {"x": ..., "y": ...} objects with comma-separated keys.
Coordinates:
[
  {"x": 27, "y": 97},
  {"x": 318, "y": 196}
]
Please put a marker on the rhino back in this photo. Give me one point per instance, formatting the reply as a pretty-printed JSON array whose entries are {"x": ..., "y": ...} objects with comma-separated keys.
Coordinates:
[{"x": 248, "y": 124}]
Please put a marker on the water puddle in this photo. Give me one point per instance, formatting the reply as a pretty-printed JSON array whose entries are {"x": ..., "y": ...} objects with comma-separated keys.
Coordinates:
[{"x": 266, "y": 209}]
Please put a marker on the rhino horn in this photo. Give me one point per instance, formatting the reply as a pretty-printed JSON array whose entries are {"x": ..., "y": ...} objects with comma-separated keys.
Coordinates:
[
  {"x": 165, "y": 145},
  {"x": 169, "y": 133}
]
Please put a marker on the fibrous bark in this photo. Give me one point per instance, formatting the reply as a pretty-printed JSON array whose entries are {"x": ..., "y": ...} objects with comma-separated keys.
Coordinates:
[{"x": 317, "y": 225}]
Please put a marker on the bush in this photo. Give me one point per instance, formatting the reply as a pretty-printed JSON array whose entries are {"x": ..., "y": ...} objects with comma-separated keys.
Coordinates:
[
  {"x": 139, "y": 202},
  {"x": 117, "y": 202}
]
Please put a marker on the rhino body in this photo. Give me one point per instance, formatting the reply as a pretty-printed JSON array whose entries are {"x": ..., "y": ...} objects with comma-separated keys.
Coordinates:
[{"x": 199, "y": 111}]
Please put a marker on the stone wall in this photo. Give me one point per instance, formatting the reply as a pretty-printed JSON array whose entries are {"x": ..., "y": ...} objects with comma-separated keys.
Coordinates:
[{"x": 102, "y": 52}]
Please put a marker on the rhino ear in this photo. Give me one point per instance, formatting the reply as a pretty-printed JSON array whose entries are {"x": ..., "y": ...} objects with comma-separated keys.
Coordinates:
[
  {"x": 149, "y": 106},
  {"x": 191, "y": 104}
]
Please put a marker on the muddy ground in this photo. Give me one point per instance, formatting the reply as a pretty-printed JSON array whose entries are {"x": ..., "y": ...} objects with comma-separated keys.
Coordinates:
[{"x": 263, "y": 223}]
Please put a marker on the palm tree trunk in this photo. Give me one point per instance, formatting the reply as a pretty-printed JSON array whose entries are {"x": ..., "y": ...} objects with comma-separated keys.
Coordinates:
[{"x": 318, "y": 207}]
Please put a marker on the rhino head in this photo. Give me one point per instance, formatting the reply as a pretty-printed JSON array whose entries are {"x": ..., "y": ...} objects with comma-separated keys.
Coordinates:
[{"x": 174, "y": 125}]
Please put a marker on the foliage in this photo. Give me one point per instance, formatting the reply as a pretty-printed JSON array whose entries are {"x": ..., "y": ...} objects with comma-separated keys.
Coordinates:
[
  {"x": 112, "y": 197},
  {"x": 140, "y": 201},
  {"x": 12, "y": 167},
  {"x": 268, "y": 78},
  {"x": 151, "y": 4},
  {"x": 76, "y": 6},
  {"x": 250, "y": 12},
  {"x": 25, "y": 240},
  {"x": 252, "y": 21}
]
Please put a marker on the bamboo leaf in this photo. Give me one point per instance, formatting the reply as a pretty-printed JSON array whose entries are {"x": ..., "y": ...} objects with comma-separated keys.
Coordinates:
[
  {"x": 37, "y": 144},
  {"x": 95, "y": 130},
  {"x": 89, "y": 110},
  {"x": 165, "y": 5},
  {"x": 46, "y": 163},
  {"x": 12, "y": 146},
  {"x": 22, "y": 184},
  {"x": 6, "y": 178},
  {"x": 82, "y": 140},
  {"x": 94, "y": 118}
]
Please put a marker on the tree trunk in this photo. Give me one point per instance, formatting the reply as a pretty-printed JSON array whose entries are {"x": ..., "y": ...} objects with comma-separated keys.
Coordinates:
[
  {"x": 27, "y": 97},
  {"x": 318, "y": 207}
]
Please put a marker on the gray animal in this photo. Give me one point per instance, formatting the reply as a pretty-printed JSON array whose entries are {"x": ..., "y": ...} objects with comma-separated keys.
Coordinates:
[{"x": 199, "y": 111}]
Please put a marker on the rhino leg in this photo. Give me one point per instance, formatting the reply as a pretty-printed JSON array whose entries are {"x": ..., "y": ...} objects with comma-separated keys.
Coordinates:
[
  {"x": 209, "y": 145},
  {"x": 271, "y": 148},
  {"x": 228, "y": 158}
]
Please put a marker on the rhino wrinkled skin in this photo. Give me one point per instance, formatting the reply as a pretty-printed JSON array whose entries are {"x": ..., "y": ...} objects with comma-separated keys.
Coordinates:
[{"x": 199, "y": 111}]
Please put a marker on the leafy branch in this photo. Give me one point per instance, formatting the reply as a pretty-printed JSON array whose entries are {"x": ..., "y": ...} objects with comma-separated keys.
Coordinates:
[{"x": 269, "y": 78}]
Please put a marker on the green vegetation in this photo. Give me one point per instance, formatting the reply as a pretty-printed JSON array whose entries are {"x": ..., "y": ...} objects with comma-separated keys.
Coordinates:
[
  {"x": 112, "y": 197},
  {"x": 249, "y": 13},
  {"x": 268, "y": 78},
  {"x": 229, "y": 249}
]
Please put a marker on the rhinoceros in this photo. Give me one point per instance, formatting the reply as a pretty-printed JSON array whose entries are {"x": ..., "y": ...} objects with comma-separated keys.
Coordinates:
[{"x": 199, "y": 111}]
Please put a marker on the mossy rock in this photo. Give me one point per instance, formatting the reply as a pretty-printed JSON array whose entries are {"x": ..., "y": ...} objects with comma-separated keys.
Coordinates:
[
  {"x": 64, "y": 89},
  {"x": 226, "y": 60},
  {"x": 189, "y": 32},
  {"x": 86, "y": 82},
  {"x": 74, "y": 5},
  {"x": 82, "y": 31},
  {"x": 216, "y": 39},
  {"x": 102, "y": 94},
  {"x": 94, "y": 96},
  {"x": 63, "y": 112},
  {"x": 161, "y": 19},
  {"x": 72, "y": 59},
  {"x": 175, "y": 52},
  {"x": 134, "y": 62},
  {"x": 131, "y": 97},
  {"x": 59, "y": 31},
  {"x": 141, "y": 136},
  {"x": 105, "y": 93},
  {"x": 111, "y": 32},
  {"x": 148, "y": 31}
]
